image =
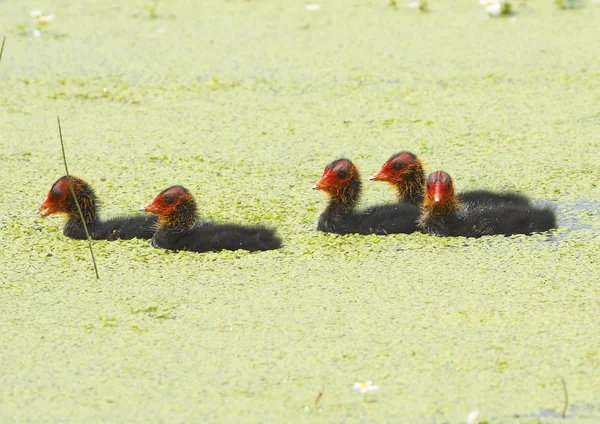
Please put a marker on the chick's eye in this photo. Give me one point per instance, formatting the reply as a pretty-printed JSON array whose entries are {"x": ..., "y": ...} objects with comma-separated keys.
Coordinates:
[
  {"x": 168, "y": 200},
  {"x": 342, "y": 174},
  {"x": 55, "y": 194},
  {"x": 398, "y": 166}
]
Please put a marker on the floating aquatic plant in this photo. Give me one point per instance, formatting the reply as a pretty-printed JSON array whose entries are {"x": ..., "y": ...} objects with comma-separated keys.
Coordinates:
[
  {"x": 473, "y": 418},
  {"x": 152, "y": 9},
  {"x": 496, "y": 8},
  {"x": 365, "y": 387},
  {"x": 40, "y": 21},
  {"x": 418, "y": 4},
  {"x": 569, "y": 4}
]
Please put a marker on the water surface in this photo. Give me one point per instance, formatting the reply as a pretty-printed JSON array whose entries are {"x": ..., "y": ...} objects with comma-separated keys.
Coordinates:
[{"x": 244, "y": 103}]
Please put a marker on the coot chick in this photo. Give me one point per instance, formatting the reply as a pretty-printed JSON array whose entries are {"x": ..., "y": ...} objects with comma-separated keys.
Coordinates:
[
  {"x": 61, "y": 201},
  {"x": 179, "y": 228},
  {"x": 442, "y": 214},
  {"x": 405, "y": 172},
  {"x": 341, "y": 181}
]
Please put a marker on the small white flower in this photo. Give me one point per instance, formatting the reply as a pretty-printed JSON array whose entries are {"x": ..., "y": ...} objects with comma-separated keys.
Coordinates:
[
  {"x": 45, "y": 19},
  {"x": 365, "y": 387},
  {"x": 473, "y": 416},
  {"x": 312, "y": 7},
  {"x": 35, "y": 13},
  {"x": 37, "y": 33},
  {"x": 413, "y": 5},
  {"x": 493, "y": 7}
]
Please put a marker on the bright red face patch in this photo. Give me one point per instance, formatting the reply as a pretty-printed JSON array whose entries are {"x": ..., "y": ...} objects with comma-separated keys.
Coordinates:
[
  {"x": 395, "y": 168},
  {"x": 336, "y": 174},
  {"x": 439, "y": 188},
  {"x": 166, "y": 202},
  {"x": 55, "y": 201}
]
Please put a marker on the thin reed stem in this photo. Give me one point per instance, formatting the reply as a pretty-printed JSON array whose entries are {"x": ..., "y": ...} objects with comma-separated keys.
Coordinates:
[
  {"x": 2, "y": 48},
  {"x": 62, "y": 145}
]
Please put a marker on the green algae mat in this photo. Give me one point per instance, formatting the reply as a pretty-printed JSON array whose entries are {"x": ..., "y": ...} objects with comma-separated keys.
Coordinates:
[{"x": 244, "y": 103}]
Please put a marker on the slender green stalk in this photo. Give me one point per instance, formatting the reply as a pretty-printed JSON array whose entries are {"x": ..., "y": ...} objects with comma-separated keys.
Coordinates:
[
  {"x": 566, "y": 393},
  {"x": 62, "y": 145},
  {"x": 2, "y": 48}
]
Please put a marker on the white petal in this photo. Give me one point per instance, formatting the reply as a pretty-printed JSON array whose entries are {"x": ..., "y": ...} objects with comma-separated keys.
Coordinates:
[
  {"x": 49, "y": 17},
  {"x": 35, "y": 13},
  {"x": 493, "y": 8},
  {"x": 37, "y": 33},
  {"x": 312, "y": 7},
  {"x": 413, "y": 5},
  {"x": 374, "y": 388},
  {"x": 357, "y": 386},
  {"x": 472, "y": 417}
]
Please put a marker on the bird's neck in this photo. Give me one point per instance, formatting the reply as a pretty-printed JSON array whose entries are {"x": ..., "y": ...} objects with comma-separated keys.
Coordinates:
[
  {"x": 411, "y": 190},
  {"x": 183, "y": 218},
  {"x": 345, "y": 199},
  {"x": 450, "y": 206},
  {"x": 88, "y": 204}
]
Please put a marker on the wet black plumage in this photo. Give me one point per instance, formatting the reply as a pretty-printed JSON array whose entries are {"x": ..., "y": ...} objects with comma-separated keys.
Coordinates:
[
  {"x": 208, "y": 237},
  {"x": 341, "y": 180},
  {"x": 60, "y": 200},
  {"x": 480, "y": 221},
  {"x": 449, "y": 217},
  {"x": 179, "y": 229},
  {"x": 405, "y": 172},
  {"x": 119, "y": 228},
  {"x": 379, "y": 220},
  {"x": 485, "y": 198}
]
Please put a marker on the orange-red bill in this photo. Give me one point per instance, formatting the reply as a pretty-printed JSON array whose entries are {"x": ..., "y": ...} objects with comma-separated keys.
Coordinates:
[
  {"x": 47, "y": 206},
  {"x": 382, "y": 175},
  {"x": 151, "y": 207}
]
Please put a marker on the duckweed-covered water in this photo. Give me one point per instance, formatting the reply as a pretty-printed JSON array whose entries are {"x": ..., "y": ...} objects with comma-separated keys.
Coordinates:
[{"x": 244, "y": 103}]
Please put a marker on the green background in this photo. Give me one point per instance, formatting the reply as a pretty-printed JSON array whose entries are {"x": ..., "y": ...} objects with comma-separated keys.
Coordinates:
[{"x": 244, "y": 103}]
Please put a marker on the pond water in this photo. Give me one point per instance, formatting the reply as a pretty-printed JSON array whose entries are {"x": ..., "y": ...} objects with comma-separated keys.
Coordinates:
[{"x": 244, "y": 103}]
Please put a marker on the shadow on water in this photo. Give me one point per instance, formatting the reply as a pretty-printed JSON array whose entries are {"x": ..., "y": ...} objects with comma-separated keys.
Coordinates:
[
  {"x": 578, "y": 216},
  {"x": 579, "y": 412}
]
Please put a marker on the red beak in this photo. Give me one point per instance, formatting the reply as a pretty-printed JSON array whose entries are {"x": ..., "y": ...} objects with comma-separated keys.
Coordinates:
[
  {"x": 151, "y": 207},
  {"x": 48, "y": 205},
  {"x": 322, "y": 184},
  {"x": 382, "y": 175},
  {"x": 438, "y": 191}
]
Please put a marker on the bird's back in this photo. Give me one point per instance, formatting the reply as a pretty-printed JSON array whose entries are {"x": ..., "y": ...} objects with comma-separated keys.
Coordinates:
[
  {"x": 215, "y": 237},
  {"x": 395, "y": 218}
]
